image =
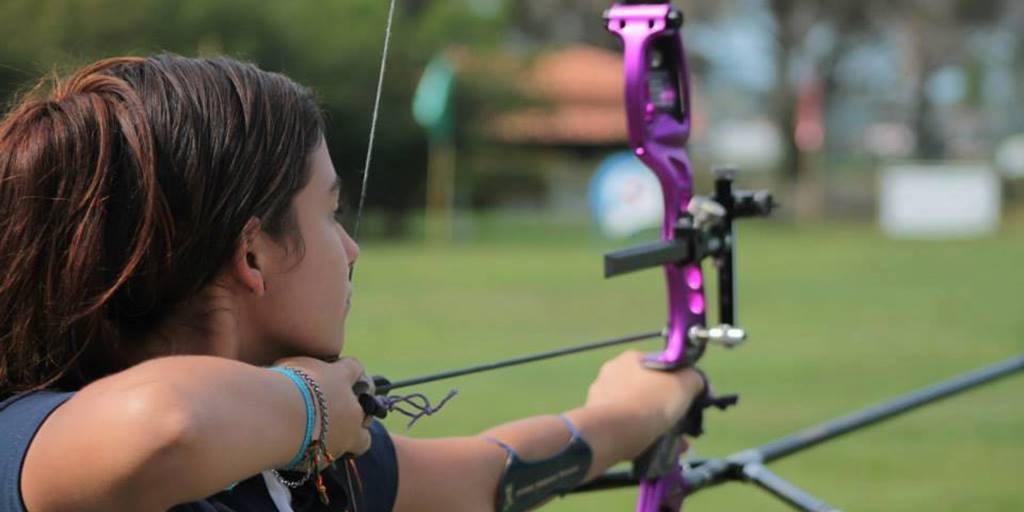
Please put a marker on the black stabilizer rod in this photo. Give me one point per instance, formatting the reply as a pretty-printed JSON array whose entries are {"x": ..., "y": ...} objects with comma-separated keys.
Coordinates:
[
  {"x": 748, "y": 465},
  {"x": 761, "y": 476},
  {"x": 829, "y": 430},
  {"x": 735, "y": 466}
]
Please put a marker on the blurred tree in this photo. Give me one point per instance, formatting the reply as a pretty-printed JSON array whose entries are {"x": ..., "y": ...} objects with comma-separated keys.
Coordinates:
[
  {"x": 560, "y": 22},
  {"x": 935, "y": 32},
  {"x": 929, "y": 36},
  {"x": 938, "y": 30},
  {"x": 333, "y": 46}
]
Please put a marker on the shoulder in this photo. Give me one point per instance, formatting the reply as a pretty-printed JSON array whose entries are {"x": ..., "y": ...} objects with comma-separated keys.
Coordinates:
[{"x": 20, "y": 418}]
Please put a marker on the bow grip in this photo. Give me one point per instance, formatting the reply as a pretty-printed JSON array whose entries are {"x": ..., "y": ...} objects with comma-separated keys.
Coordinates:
[{"x": 662, "y": 457}]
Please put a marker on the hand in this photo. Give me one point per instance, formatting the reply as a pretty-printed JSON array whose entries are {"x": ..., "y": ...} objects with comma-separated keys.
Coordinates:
[
  {"x": 625, "y": 382},
  {"x": 348, "y": 430}
]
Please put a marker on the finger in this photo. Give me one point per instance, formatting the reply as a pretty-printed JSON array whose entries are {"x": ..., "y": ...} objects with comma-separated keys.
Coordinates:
[{"x": 352, "y": 367}]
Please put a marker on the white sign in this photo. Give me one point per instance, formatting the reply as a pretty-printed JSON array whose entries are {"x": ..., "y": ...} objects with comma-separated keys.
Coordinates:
[
  {"x": 1010, "y": 156},
  {"x": 940, "y": 200}
]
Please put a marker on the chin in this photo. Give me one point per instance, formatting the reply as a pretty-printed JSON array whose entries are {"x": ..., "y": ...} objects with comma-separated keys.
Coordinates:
[
  {"x": 336, "y": 346},
  {"x": 327, "y": 348},
  {"x": 328, "y": 345}
]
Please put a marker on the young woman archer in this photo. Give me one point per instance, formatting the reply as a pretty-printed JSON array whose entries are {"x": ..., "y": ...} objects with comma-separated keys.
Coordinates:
[{"x": 173, "y": 302}]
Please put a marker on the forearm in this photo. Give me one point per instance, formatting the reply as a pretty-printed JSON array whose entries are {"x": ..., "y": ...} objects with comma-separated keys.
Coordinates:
[
  {"x": 463, "y": 474},
  {"x": 241, "y": 419},
  {"x": 627, "y": 408},
  {"x": 167, "y": 431},
  {"x": 614, "y": 434}
]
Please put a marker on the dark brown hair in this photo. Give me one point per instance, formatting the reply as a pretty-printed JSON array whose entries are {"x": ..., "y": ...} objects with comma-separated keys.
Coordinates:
[{"x": 123, "y": 190}]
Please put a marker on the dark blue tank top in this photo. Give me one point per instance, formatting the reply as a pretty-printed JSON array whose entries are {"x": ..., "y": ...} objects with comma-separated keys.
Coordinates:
[{"x": 22, "y": 415}]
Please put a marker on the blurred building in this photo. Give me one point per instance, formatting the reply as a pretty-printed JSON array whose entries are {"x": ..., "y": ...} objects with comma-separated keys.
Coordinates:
[{"x": 575, "y": 119}]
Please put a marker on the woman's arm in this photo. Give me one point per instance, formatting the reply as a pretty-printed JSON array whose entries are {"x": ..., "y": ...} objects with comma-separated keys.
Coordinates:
[
  {"x": 628, "y": 407},
  {"x": 177, "y": 429}
]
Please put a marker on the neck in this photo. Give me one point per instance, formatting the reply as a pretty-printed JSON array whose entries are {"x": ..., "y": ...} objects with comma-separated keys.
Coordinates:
[{"x": 210, "y": 323}]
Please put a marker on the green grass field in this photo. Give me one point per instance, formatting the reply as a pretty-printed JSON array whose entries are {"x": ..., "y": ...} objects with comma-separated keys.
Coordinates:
[{"x": 839, "y": 318}]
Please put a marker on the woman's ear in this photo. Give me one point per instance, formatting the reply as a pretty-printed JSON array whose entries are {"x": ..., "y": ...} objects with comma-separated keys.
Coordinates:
[{"x": 247, "y": 266}]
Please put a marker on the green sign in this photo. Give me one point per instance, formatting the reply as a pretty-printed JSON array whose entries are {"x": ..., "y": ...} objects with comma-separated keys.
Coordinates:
[{"x": 432, "y": 103}]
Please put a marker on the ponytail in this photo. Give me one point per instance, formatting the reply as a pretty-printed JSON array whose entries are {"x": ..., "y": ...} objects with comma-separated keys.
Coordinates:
[
  {"x": 92, "y": 250},
  {"x": 60, "y": 160}
]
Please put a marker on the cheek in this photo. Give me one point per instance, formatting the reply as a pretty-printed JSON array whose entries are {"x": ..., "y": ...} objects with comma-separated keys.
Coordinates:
[
  {"x": 328, "y": 269},
  {"x": 318, "y": 282},
  {"x": 311, "y": 301},
  {"x": 335, "y": 259}
]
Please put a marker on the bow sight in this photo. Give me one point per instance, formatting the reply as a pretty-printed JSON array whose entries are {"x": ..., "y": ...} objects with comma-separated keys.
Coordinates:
[{"x": 704, "y": 231}]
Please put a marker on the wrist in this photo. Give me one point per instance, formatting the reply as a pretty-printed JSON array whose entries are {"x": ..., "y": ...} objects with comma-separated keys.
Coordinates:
[
  {"x": 621, "y": 430},
  {"x": 311, "y": 412},
  {"x": 650, "y": 412}
]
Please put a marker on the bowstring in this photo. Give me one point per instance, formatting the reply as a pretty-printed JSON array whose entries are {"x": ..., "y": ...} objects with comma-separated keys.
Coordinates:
[
  {"x": 417, "y": 401},
  {"x": 373, "y": 126}
]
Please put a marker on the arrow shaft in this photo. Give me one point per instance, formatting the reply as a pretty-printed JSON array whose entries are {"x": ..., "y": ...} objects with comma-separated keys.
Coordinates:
[{"x": 525, "y": 359}]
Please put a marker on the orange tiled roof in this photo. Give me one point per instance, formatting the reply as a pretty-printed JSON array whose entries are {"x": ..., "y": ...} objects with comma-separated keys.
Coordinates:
[{"x": 582, "y": 90}]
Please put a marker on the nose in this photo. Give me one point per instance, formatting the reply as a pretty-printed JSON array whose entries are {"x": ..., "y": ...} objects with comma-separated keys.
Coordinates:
[{"x": 351, "y": 247}]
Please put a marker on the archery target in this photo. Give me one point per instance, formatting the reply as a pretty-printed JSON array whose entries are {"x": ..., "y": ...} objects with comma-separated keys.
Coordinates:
[{"x": 625, "y": 196}]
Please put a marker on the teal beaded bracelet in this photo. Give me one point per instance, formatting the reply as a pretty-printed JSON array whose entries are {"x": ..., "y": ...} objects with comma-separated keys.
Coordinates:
[{"x": 310, "y": 413}]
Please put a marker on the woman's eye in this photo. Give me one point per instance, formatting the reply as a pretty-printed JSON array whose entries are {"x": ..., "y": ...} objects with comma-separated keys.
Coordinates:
[{"x": 339, "y": 213}]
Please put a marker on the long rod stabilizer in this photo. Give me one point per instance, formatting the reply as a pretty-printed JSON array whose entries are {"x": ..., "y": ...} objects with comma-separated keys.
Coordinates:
[{"x": 748, "y": 465}]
